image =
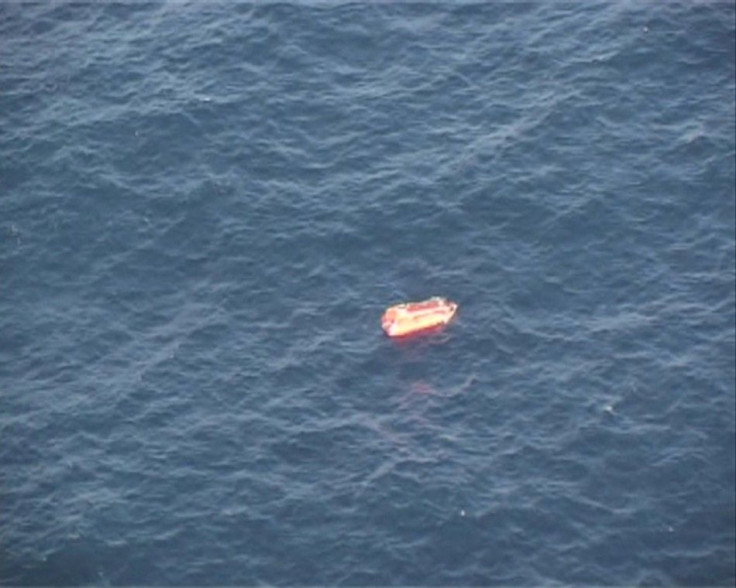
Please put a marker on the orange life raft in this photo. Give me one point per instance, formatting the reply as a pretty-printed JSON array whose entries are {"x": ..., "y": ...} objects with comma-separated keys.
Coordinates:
[{"x": 412, "y": 317}]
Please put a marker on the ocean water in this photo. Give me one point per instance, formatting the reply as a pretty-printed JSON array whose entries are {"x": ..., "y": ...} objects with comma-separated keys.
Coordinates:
[{"x": 205, "y": 208}]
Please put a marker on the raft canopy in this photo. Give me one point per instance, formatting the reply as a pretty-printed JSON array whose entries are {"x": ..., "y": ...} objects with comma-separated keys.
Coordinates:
[{"x": 412, "y": 317}]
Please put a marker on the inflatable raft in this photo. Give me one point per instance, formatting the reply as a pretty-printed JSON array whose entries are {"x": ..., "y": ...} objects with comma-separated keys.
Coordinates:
[{"x": 414, "y": 317}]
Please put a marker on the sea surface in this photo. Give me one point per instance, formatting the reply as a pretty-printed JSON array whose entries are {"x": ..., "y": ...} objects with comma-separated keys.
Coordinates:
[{"x": 206, "y": 206}]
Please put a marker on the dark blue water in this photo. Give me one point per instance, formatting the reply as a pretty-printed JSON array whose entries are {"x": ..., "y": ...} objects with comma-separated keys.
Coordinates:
[{"x": 204, "y": 210}]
